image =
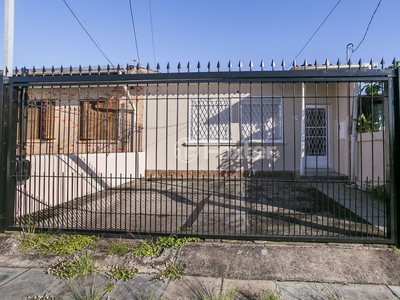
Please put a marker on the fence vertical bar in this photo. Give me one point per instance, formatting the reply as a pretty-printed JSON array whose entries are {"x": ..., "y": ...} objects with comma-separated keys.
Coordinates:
[{"x": 395, "y": 167}]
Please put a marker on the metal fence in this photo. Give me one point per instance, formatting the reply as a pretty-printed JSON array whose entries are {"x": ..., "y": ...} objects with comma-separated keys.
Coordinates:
[{"x": 304, "y": 154}]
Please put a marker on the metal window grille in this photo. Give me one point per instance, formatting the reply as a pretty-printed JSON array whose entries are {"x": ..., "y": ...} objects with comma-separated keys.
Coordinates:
[
  {"x": 209, "y": 120},
  {"x": 316, "y": 134},
  {"x": 261, "y": 119}
]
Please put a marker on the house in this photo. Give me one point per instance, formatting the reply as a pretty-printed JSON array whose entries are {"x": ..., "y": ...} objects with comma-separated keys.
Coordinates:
[{"x": 84, "y": 138}]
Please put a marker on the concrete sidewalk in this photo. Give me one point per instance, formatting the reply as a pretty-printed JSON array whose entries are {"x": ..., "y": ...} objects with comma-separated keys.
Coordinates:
[
  {"x": 295, "y": 271},
  {"x": 21, "y": 283}
]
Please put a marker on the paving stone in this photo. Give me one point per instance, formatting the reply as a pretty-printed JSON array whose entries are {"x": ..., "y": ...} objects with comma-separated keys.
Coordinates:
[
  {"x": 316, "y": 291},
  {"x": 142, "y": 286}
]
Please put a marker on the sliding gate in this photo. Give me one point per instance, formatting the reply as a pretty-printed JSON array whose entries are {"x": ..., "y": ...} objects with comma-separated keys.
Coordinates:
[{"x": 307, "y": 154}]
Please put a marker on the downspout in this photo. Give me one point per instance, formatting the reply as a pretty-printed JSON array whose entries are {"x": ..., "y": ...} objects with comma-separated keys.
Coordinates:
[
  {"x": 303, "y": 129},
  {"x": 357, "y": 90}
]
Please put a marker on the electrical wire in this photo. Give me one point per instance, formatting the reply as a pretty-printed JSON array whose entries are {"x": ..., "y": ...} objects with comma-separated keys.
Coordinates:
[
  {"x": 134, "y": 31},
  {"x": 98, "y": 47},
  {"x": 152, "y": 33},
  {"x": 315, "y": 32},
  {"x": 366, "y": 31}
]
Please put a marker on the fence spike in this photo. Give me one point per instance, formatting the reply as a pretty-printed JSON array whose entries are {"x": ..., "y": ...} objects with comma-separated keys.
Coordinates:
[
  {"x": 383, "y": 62},
  {"x": 127, "y": 68},
  {"x": 70, "y": 70},
  {"x": 98, "y": 69},
  {"x": 138, "y": 68},
  {"x": 80, "y": 70},
  {"x": 62, "y": 70},
  {"x": 305, "y": 64},
  {"x": 349, "y": 63},
  {"x": 33, "y": 70},
  {"x": 240, "y": 65},
  {"x": 198, "y": 66},
  {"x": 23, "y": 71},
  {"x": 262, "y": 64},
  {"x": 179, "y": 67},
  {"x": 283, "y": 64},
  {"x": 52, "y": 70},
  {"x": 168, "y": 67},
  {"x": 294, "y": 64},
  {"x": 394, "y": 62},
  {"x": 188, "y": 66},
  {"x": 229, "y": 65},
  {"x": 251, "y": 65},
  {"x": 43, "y": 71},
  {"x": 371, "y": 62},
  {"x": 6, "y": 71},
  {"x": 209, "y": 66},
  {"x": 108, "y": 68},
  {"x": 316, "y": 63},
  {"x": 90, "y": 70},
  {"x": 326, "y": 64},
  {"x": 218, "y": 66},
  {"x": 338, "y": 63},
  {"x": 118, "y": 68},
  {"x": 359, "y": 64}
]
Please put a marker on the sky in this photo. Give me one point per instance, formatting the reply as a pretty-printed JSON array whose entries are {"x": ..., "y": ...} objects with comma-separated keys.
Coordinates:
[{"x": 46, "y": 33}]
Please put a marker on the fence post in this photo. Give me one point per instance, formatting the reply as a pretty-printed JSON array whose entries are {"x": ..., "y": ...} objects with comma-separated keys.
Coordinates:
[
  {"x": 8, "y": 114},
  {"x": 2, "y": 157},
  {"x": 396, "y": 163}
]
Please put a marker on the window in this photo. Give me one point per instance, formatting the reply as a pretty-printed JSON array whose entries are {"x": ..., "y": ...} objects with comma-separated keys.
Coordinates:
[
  {"x": 261, "y": 119},
  {"x": 209, "y": 120},
  {"x": 370, "y": 113},
  {"x": 40, "y": 120},
  {"x": 98, "y": 120}
]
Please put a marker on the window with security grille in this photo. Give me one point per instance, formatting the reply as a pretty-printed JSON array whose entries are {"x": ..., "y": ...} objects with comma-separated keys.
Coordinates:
[
  {"x": 98, "y": 120},
  {"x": 39, "y": 121},
  {"x": 261, "y": 119},
  {"x": 209, "y": 120}
]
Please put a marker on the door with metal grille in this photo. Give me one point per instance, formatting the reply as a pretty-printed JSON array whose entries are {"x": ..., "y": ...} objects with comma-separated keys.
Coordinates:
[{"x": 316, "y": 136}]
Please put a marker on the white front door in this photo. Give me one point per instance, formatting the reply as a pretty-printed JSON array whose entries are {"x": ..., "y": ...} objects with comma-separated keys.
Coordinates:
[{"x": 316, "y": 136}]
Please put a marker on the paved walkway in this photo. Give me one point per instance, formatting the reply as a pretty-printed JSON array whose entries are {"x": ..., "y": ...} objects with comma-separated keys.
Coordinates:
[
  {"x": 294, "y": 270},
  {"x": 21, "y": 283}
]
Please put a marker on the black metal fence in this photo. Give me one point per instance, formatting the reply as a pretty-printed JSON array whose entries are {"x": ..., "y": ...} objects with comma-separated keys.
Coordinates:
[{"x": 304, "y": 154}]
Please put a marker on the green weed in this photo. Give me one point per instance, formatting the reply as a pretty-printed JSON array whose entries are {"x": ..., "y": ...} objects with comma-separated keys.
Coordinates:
[
  {"x": 119, "y": 248},
  {"x": 64, "y": 244},
  {"x": 28, "y": 227},
  {"x": 172, "y": 270},
  {"x": 150, "y": 247},
  {"x": 268, "y": 295},
  {"x": 79, "y": 265},
  {"x": 121, "y": 273}
]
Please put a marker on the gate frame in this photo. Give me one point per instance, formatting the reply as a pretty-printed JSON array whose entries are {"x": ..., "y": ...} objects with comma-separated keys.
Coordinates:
[{"x": 9, "y": 110}]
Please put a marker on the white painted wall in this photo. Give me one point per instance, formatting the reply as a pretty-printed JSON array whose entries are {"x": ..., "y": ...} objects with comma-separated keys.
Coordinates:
[{"x": 56, "y": 179}]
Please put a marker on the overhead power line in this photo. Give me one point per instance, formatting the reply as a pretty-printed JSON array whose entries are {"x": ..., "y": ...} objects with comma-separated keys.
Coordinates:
[
  {"x": 134, "y": 31},
  {"x": 309, "y": 40},
  {"x": 366, "y": 31},
  {"x": 83, "y": 27}
]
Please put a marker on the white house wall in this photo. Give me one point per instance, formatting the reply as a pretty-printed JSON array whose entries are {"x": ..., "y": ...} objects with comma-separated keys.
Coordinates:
[{"x": 166, "y": 123}]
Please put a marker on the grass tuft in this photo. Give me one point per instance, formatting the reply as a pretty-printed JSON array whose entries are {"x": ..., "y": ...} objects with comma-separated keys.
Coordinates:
[
  {"x": 79, "y": 265},
  {"x": 121, "y": 273},
  {"x": 172, "y": 271}
]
